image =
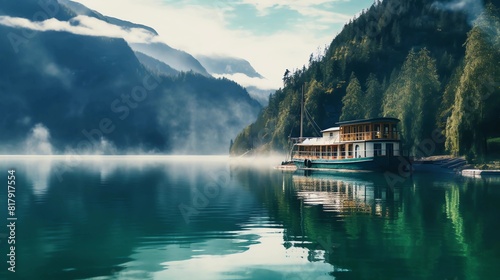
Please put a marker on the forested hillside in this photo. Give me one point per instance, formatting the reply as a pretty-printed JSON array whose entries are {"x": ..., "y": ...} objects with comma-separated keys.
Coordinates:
[{"x": 432, "y": 64}]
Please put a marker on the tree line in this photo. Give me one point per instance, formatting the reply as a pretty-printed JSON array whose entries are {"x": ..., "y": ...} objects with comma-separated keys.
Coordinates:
[{"x": 438, "y": 74}]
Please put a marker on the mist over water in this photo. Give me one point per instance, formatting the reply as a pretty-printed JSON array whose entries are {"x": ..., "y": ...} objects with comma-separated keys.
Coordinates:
[
  {"x": 214, "y": 217},
  {"x": 38, "y": 141}
]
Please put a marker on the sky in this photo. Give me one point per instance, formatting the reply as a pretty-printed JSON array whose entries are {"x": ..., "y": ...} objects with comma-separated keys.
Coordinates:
[{"x": 273, "y": 35}]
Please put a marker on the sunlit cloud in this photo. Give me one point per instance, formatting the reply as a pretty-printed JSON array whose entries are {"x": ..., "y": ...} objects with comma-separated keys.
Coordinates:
[
  {"x": 209, "y": 28},
  {"x": 298, "y": 5},
  {"x": 202, "y": 28},
  {"x": 247, "y": 81},
  {"x": 82, "y": 25},
  {"x": 315, "y": 11}
]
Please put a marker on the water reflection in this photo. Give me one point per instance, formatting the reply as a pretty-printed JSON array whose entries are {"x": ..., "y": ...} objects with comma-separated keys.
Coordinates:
[
  {"x": 116, "y": 217},
  {"x": 429, "y": 227},
  {"x": 38, "y": 176},
  {"x": 343, "y": 194},
  {"x": 191, "y": 218}
]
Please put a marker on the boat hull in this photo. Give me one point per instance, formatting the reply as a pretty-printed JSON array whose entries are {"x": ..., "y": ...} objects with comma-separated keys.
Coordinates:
[{"x": 380, "y": 163}]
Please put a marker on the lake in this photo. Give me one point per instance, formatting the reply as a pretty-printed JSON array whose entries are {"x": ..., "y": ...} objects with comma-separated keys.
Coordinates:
[{"x": 208, "y": 217}]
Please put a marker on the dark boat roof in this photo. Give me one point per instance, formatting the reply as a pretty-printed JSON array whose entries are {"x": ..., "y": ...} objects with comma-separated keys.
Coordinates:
[{"x": 372, "y": 120}]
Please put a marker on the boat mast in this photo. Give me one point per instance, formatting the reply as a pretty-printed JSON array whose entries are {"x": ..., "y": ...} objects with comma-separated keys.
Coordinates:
[{"x": 301, "y": 113}]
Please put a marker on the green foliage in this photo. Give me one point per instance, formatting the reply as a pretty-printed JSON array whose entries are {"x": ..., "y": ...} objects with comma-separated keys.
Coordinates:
[
  {"x": 352, "y": 101},
  {"x": 412, "y": 97},
  {"x": 494, "y": 147},
  {"x": 474, "y": 116},
  {"x": 448, "y": 99},
  {"x": 417, "y": 52},
  {"x": 373, "y": 97}
]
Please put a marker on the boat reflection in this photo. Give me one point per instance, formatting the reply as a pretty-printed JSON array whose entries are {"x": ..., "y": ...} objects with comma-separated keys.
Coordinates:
[{"x": 345, "y": 193}]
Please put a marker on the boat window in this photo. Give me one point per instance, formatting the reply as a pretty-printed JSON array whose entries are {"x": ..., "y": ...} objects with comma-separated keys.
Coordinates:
[
  {"x": 377, "y": 149},
  {"x": 377, "y": 129}
]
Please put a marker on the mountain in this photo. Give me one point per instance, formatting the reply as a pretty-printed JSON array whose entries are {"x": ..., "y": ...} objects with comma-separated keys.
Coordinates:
[
  {"x": 238, "y": 70},
  {"x": 156, "y": 66},
  {"x": 227, "y": 65},
  {"x": 80, "y": 9},
  {"x": 174, "y": 61},
  {"x": 70, "y": 93},
  {"x": 177, "y": 59},
  {"x": 409, "y": 58},
  {"x": 261, "y": 95}
]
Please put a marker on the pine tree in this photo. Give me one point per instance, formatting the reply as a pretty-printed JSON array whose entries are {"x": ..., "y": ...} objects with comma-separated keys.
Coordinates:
[
  {"x": 412, "y": 98},
  {"x": 352, "y": 102},
  {"x": 373, "y": 98}
]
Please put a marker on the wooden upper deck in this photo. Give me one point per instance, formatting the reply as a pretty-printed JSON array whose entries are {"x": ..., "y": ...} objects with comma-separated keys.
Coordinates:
[{"x": 369, "y": 129}]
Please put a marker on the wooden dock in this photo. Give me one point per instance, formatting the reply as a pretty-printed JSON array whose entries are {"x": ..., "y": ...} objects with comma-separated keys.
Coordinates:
[
  {"x": 478, "y": 173},
  {"x": 439, "y": 164}
]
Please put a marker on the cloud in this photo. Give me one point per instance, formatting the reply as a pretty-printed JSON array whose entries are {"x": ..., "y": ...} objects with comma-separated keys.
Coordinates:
[
  {"x": 317, "y": 12},
  {"x": 206, "y": 29},
  {"x": 247, "y": 81},
  {"x": 297, "y": 5},
  {"x": 82, "y": 25}
]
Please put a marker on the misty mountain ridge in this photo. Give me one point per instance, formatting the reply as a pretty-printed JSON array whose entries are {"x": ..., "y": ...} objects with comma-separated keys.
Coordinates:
[
  {"x": 155, "y": 65},
  {"x": 90, "y": 94},
  {"x": 239, "y": 70},
  {"x": 227, "y": 65},
  {"x": 179, "y": 60},
  {"x": 176, "y": 59},
  {"x": 80, "y": 9}
]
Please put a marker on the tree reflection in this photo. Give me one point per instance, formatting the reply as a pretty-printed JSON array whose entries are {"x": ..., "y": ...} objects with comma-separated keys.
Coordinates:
[{"x": 438, "y": 227}]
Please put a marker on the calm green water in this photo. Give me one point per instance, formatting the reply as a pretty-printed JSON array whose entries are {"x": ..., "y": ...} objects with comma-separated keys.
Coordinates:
[{"x": 213, "y": 218}]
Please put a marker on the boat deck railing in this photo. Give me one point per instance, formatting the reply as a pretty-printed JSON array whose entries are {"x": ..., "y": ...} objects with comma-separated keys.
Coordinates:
[
  {"x": 346, "y": 137},
  {"x": 339, "y": 154},
  {"x": 371, "y": 135}
]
